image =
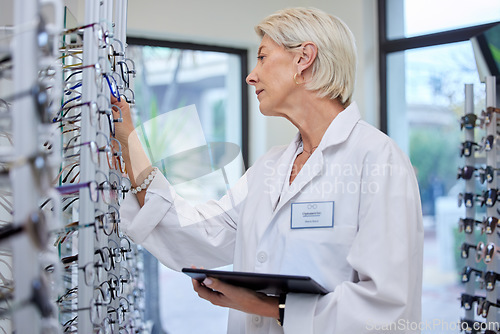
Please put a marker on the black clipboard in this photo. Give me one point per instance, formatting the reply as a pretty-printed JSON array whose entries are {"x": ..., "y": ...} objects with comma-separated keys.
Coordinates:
[{"x": 270, "y": 284}]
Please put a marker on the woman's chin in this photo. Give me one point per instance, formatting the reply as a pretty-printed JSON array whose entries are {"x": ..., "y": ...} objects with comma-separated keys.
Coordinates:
[{"x": 266, "y": 111}]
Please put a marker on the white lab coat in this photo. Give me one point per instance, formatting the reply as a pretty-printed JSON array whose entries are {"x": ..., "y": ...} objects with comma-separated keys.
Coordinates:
[{"x": 371, "y": 260}]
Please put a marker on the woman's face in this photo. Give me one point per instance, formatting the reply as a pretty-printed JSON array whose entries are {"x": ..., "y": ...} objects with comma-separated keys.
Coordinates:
[{"x": 273, "y": 77}]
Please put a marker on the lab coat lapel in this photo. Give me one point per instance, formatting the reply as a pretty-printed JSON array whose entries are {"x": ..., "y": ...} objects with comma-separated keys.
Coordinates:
[
  {"x": 280, "y": 172},
  {"x": 310, "y": 170}
]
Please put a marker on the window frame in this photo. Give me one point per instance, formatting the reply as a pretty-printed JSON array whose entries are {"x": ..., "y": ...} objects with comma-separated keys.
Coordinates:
[
  {"x": 388, "y": 46},
  {"x": 243, "y": 56}
]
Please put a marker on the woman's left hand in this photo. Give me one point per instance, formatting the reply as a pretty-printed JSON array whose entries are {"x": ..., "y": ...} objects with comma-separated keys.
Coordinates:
[{"x": 238, "y": 298}]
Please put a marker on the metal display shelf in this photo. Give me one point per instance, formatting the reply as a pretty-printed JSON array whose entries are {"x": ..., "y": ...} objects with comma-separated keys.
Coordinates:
[{"x": 64, "y": 264}]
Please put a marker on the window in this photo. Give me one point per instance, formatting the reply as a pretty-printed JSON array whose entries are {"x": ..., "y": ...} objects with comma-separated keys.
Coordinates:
[
  {"x": 426, "y": 58},
  {"x": 420, "y": 17},
  {"x": 190, "y": 99}
]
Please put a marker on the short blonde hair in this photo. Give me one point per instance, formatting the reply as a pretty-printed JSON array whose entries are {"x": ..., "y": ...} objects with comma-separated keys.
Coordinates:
[{"x": 334, "y": 70}]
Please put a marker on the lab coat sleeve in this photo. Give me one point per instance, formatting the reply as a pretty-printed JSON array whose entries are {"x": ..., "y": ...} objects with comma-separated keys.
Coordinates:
[
  {"x": 386, "y": 254},
  {"x": 179, "y": 234}
]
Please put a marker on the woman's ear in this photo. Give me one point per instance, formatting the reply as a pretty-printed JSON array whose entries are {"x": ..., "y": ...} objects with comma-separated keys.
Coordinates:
[{"x": 307, "y": 54}]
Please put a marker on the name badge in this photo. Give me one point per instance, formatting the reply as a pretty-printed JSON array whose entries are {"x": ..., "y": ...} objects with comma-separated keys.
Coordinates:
[{"x": 312, "y": 215}]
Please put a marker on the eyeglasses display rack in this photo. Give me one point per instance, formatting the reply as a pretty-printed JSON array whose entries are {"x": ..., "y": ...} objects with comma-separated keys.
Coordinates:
[
  {"x": 65, "y": 267},
  {"x": 469, "y": 204},
  {"x": 479, "y": 249},
  {"x": 491, "y": 306},
  {"x": 31, "y": 309}
]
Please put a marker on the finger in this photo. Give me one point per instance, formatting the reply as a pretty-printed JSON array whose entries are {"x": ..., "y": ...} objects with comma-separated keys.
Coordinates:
[
  {"x": 195, "y": 267},
  {"x": 196, "y": 284},
  {"x": 220, "y": 286},
  {"x": 117, "y": 109},
  {"x": 119, "y": 103},
  {"x": 208, "y": 294}
]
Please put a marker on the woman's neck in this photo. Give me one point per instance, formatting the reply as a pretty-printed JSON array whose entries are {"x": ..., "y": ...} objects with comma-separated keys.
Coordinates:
[{"x": 312, "y": 117}]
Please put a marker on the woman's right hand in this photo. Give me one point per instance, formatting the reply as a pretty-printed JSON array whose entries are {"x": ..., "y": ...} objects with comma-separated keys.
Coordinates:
[
  {"x": 126, "y": 127},
  {"x": 136, "y": 160}
]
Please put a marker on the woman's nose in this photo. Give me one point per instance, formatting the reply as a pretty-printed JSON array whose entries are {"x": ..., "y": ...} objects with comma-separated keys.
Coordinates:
[{"x": 251, "y": 78}]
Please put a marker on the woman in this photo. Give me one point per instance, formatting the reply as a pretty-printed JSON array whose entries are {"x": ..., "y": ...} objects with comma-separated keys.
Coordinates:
[{"x": 366, "y": 245}]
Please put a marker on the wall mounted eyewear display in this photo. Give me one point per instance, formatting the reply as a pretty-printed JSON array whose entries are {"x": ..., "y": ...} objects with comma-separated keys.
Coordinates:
[
  {"x": 467, "y": 300},
  {"x": 467, "y": 199},
  {"x": 467, "y": 271},
  {"x": 127, "y": 67},
  {"x": 468, "y": 121},
  {"x": 101, "y": 222},
  {"x": 98, "y": 269},
  {"x": 484, "y": 306},
  {"x": 489, "y": 142},
  {"x": 490, "y": 279},
  {"x": 35, "y": 226},
  {"x": 465, "y": 249},
  {"x": 129, "y": 96},
  {"x": 469, "y": 147},
  {"x": 93, "y": 148},
  {"x": 469, "y": 326},
  {"x": 489, "y": 224},
  {"x": 103, "y": 36},
  {"x": 41, "y": 99},
  {"x": 487, "y": 173},
  {"x": 466, "y": 172},
  {"x": 467, "y": 225},
  {"x": 487, "y": 115},
  {"x": 93, "y": 112},
  {"x": 489, "y": 197},
  {"x": 486, "y": 252},
  {"x": 39, "y": 298},
  {"x": 73, "y": 188}
]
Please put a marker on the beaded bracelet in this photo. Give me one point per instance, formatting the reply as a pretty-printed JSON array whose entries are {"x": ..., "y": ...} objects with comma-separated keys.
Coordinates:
[{"x": 146, "y": 182}]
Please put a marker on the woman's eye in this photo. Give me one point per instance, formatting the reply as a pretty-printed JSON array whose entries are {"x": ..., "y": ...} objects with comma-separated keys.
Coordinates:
[{"x": 260, "y": 57}]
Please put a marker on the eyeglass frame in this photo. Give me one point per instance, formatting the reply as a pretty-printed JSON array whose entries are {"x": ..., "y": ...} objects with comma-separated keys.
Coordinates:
[
  {"x": 466, "y": 172},
  {"x": 102, "y": 35},
  {"x": 467, "y": 225},
  {"x": 489, "y": 224},
  {"x": 468, "y": 147},
  {"x": 464, "y": 249},
  {"x": 467, "y": 271},
  {"x": 487, "y": 173},
  {"x": 73, "y": 188},
  {"x": 490, "y": 279},
  {"x": 93, "y": 147},
  {"x": 468, "y": 121},
  {"x": 467, "y": 301},
  {"x": 484, "y": 306},
  {"x": 486, "y": 115},
  {"x": 489, "y": 197},
  {"x": 467, "y": 199}
]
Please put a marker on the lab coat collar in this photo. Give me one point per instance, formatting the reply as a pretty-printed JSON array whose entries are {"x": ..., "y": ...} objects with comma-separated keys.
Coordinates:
[
  {"x": 338, "y": 131},
  {"x": 341, "y": 127}
]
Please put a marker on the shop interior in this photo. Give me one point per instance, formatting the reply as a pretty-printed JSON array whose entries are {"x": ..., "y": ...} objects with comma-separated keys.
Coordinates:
[{"x": 427, "y": 76}]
